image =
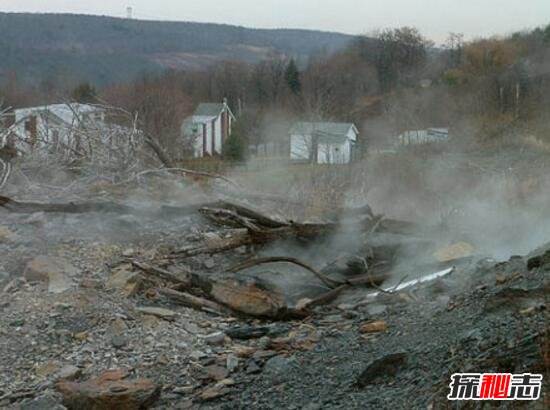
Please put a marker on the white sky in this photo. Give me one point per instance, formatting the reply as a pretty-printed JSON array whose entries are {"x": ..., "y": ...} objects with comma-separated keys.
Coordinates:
[{"x": 435, "y": 18}]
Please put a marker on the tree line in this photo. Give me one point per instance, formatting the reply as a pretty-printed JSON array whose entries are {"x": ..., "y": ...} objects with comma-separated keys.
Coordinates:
[{"x": 385, "y": 84}]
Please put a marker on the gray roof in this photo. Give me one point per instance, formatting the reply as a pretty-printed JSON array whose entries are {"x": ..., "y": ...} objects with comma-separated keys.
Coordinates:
[
  {"x": 333, "y": 129},
  {"x": 209, "y": 109},
  {"x": 67, "y": 113}
]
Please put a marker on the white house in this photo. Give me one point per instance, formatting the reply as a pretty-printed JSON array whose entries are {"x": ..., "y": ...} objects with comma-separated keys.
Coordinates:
[
  {"x": 416, "y": 137},
  {"x": 53, "y": 126},
  {"x": 208, "y": 128},
  {"x": 323, "y": 142}
]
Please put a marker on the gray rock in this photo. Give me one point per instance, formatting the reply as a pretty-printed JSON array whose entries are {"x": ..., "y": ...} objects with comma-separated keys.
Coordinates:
[
  {"x": 538, "y": 261},
  {"x": 6, "y": 235},
  {"x": 69, "y": 372},
  {"x": 53, "y": 270},
  {"x": 41, "y": 403},
  {"x": 197, "y": 354},
  {"x": 37, "y": 218},
  {"x": 4, "y": 275},
  {"x": 217, "y": 338},
  {"x": 246, "y": 332},
  {"x": 17, "y": 322},
  {"x": 253, "y": 368},
  {"x": 216, "y": 372},
  {"x": 209, "y": 263},
  {"x": 191, "y": 327},
  {"x": 376, "y": 309},
  {"x": 241, "y": 250},
  {"x": 166, "y": 314},
  {"x": 119, "y": 341},
  {"x": 232, "y": 362},
  {"x": 277, "y": 365},
  {"x": 117, "y": 327},
  {"x": 264, "y": 342},
  {"x": 183, "y": 390},
  {"x": 128, "y": 252},
  {"x": 382, "y": 369}
]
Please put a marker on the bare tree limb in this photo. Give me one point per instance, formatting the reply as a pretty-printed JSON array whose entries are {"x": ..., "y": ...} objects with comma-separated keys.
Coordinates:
[
  {"x": 331, "y": 283},
  {"x": 183, "y": 279},
  {"x": 5, "y": 172},
  {"x": 192, "y": 301},
  {"x": 183, "y": 171}
]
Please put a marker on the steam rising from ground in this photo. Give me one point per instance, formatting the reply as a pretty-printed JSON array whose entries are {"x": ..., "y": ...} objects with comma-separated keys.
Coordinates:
[{"x": 497, "y": 200}]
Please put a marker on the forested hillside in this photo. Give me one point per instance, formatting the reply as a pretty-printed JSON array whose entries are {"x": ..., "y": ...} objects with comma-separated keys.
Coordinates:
[{"x": 46, "y": 47}]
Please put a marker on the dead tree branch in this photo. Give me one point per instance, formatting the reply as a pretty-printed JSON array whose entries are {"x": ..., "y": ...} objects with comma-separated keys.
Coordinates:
[
  {"x": 195, "y": 302},
  {"x": 184, "y": 279},
  {"x": 5, "y": 172},
  {"x": 331, "y": 283}
]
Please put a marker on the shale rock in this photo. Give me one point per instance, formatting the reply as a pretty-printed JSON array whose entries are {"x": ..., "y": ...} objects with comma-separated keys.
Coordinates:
[
  {"x": 381, "y": 369},
  {"x": 53, "y": 270},
  {"x": 109, "y": 392}
]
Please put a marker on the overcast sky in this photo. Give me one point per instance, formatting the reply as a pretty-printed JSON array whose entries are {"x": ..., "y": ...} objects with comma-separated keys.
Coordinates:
[{"x": 435, "y": 18}]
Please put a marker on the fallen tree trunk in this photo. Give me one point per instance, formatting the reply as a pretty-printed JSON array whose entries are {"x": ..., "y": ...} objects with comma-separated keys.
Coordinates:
[
  {"x": 227, "y": 294},
  {"x": 240, "y": 237},
  {"x": 186, "y": 299},
  {"x": 258, "y": 217},
  {"x": 248, "y": 296},
  {"x": 237, "y": 215},
  {"x": 253, "y": 236},
  {"x": 259, "y": 229},
  {"x": 75, "y": 208},
  {"x": 184, "y": 279}
]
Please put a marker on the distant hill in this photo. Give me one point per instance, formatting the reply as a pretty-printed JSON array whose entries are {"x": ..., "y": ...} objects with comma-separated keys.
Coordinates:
[{"x": 46, "y": 47}]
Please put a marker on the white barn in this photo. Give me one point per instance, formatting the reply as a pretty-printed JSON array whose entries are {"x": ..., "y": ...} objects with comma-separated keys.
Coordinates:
[
  {"x": 323, "y": 142},
  {"x": 55, "y": 126},
  {"x": 208, "y": 128}
]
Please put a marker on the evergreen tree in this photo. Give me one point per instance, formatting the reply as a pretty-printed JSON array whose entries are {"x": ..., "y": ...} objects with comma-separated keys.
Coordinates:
[
  {"x": 234, "y": 147},
  {"x": 292, "y": 77},
  {"x": 84, "y": 93}
]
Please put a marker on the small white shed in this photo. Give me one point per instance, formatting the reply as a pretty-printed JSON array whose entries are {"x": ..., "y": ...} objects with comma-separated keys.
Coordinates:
[
  {"x": 323, "y": 142},
  {"x": 208, "y": 128}
]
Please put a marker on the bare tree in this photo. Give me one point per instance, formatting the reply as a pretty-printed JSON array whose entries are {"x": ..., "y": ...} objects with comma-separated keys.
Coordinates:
[{"x": 161, "y": 105}]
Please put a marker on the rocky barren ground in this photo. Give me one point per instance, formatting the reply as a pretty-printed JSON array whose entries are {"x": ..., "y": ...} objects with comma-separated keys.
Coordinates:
[{"x": 82, "y": 327}]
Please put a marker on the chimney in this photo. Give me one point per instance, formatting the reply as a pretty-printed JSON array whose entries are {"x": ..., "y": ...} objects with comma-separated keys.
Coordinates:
[
  {"x": 31, "y": 128},
  {"x": 9, "y": 119}
]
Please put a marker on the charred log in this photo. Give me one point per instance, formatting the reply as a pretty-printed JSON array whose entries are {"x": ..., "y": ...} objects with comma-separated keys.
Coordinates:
[{"x": 75, "y": 208}]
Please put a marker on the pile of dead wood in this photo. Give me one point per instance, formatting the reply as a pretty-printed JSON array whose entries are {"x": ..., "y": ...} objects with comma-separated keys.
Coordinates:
[{"x": 231, "y": 292}]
